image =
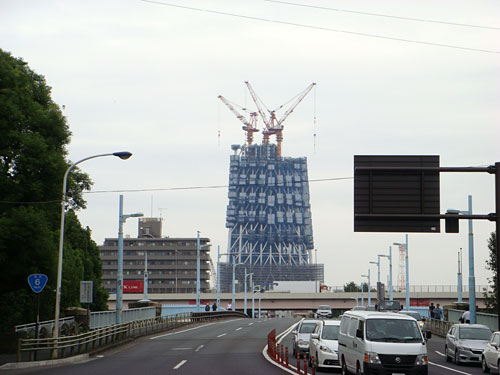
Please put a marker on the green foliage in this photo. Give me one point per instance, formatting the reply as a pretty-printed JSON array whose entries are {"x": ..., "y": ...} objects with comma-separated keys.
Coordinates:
[
  {"x": 34, "y": 136},
  {"x": 491, "y": 264},
  {"x": 351, "y": 287}
]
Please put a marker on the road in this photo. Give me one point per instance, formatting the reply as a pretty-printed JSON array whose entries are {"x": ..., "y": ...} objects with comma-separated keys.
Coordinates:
[{"x": 226, "y": 347}]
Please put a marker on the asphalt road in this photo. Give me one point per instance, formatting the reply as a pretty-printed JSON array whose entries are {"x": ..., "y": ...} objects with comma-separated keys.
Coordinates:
[{"x": 226, "y": 347}]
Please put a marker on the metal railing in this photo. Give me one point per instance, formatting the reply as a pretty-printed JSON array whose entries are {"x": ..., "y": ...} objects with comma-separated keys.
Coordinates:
[
  {"x": 44, "y": 328},
  {"x": 100, "y": 319},
  {"x": 427, "y": 289},
  {"x": 66, "y": 346}
]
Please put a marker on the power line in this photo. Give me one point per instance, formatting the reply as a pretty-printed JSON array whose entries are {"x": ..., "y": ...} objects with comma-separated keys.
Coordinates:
[
  {"x": 205, "y": 187},
  {"x": 173, "y": 189},
  {"x": 383, "y": 15},
  {"x": 323, "y": 28}
]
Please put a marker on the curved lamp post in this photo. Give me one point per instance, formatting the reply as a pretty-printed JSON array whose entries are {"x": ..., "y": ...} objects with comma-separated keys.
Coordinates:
[{"x": 124, "y": 155}]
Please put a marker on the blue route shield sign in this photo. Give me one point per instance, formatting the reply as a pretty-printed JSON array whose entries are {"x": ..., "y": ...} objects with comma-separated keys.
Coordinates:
[{"x": 37, "y": 282}]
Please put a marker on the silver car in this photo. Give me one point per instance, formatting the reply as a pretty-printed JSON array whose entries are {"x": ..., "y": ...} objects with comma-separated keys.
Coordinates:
[
  {"x": 301, "y": 336},
  {"x": 491, "y": 354},
  {"x": 465, "y": 343}
]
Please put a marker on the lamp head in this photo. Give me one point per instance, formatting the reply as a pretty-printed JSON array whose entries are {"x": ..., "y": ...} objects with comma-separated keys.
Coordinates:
[
  {"x": 137, "y": 214},
  {"x": 452, "y": 211},
  {"x": 124, "y": 155},
  {"x": 398, "y": 244},
  {"x": 374, "y": 262}
]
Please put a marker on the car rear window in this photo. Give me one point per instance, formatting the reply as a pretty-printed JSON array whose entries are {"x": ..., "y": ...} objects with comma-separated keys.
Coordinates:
[{"x": 307, "y": 327}]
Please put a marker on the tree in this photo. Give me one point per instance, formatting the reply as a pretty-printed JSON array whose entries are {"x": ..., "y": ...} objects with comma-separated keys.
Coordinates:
[
  {"x": 491, "y": 264},
  {"x": 34, "y": 136},
  {"x": 351, "y": 287}
]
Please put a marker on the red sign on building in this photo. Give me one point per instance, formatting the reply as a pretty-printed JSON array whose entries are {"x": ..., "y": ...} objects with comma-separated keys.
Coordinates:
[{"x": 133, "y": 286}]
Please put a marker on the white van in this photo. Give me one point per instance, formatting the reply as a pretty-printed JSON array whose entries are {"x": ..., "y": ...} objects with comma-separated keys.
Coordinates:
[{"x": 372, "y": 342}]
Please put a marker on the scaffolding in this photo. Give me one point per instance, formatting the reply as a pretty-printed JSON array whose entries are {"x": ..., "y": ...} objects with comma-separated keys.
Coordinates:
[{"x": 269, "y": 216}]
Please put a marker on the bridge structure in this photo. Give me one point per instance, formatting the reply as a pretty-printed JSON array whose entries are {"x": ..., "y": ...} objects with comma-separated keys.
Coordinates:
[{"x": 303, "y": 302}]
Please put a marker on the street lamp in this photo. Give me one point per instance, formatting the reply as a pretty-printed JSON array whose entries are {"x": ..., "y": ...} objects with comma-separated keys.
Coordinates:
[
  {"x": 122, "y": 155},
  {"x": 198, "y": 249},
  {"x": 378, "y": 267},
  {"x": 390, "y": 270},
  {"x": 369, "y": 293},
  {"x": 119, "y": 275},
  {"x": 472, "y": 279},
  {"x": 218, "y": 275},
  {"x": 246, "y": 275},
  {"x": 407, "y": 287},
  {"x": 459, "y": 277},
  {"x": 234, "y": 284}
]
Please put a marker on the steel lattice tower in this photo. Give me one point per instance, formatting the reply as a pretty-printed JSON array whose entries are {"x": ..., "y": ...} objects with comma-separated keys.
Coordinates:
[{"x": 269, "y": 215}]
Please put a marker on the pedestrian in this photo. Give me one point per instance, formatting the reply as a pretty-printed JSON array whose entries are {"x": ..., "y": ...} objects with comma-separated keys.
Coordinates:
[
  {"x": 214, "y": 307},
  {"x": 465, "y": 317},
  {"x": 438, "y": 312},
  {"x": 431, "y": 310},
  {"x": 207, "y": 307},
  {"x": 229, "y": 306}
]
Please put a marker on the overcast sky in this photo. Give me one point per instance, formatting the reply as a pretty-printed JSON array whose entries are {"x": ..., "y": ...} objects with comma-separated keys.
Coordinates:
[{"x": 144, "y": 77}]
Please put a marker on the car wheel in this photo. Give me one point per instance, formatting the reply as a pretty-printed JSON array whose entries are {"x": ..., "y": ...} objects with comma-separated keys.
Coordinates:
[
  {"x": 457, "y": 359},
  {"x": 344, "y": 368},
  {"x": 486, "y": 369},
  {"x": 448, "y": 358}
]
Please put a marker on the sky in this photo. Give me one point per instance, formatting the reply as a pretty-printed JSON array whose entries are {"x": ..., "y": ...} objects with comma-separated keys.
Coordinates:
[{"x": 393, "y": 78}]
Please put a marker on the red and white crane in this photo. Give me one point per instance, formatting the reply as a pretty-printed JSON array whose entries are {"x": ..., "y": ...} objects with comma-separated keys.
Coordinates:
[
  {"x": 271, "y": 122},
  {"x": 250, "y": 125}
]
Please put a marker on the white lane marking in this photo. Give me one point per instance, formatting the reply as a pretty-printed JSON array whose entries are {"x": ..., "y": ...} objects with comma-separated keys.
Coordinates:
[
  {"x": 441, "y": 354},
  {"x": 237, "y": 329},
  {"x": 222, "y": 335},
  {"x": 185, "y": 330},
  {"x": 250, "y": 324},
  {"x": 180, "y": 364},
  {"x": 449, "y": 368},
  {"x": 182, "y": 348},
  {"x": 190, "y": 329},
  {"x": 199, "y": 348}
]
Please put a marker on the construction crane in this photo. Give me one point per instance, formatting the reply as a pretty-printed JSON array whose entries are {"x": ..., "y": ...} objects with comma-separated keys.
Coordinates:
[
  {"x": 271, "y": 122},
  {"x": 249, "y": 126}
]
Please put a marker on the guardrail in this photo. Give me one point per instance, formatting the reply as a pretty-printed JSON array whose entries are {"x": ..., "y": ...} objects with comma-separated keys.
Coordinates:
[
  {"x": 45, "y": 328},
  {"x": 66, "y": 346}
]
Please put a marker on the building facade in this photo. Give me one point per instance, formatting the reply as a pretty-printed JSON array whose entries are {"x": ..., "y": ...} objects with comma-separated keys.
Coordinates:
[
  {"x": 269, "y": 218},
  {"x": 171, "y": 262}
]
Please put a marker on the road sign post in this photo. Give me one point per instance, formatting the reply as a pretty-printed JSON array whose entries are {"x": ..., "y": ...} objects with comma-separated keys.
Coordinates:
[
  {"x": 394, "y": 193},
  {"x": 37, "y": 282}
]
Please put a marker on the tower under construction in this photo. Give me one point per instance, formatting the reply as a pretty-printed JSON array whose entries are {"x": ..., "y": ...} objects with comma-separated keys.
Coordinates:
[{"x": 269, "y": 213}]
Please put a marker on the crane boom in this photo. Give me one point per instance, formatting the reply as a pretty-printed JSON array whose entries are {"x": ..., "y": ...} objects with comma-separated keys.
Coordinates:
[
  {"x": 258, "y": 103},
  {"x": 296, "y": 103},
  {"x": 249, "y": 125}
]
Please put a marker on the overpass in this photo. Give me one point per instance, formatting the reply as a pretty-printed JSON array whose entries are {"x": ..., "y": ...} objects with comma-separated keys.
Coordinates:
[{"x": 300, "y": 302}]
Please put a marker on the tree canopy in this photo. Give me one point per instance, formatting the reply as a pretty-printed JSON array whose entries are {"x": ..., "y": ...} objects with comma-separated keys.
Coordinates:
[
  {"x": 491, "y": 264},
  {"x": 33, "y": 161}
]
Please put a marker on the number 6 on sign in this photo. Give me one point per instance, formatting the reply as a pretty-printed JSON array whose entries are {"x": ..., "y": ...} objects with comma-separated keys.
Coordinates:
[{"x": 37, "y": 282}]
